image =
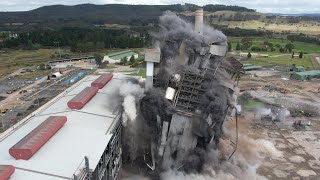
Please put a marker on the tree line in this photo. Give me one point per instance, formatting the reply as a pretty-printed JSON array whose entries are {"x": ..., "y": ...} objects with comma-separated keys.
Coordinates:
[
  {"x": 236, "y": 17},
  {"x": 238, "y": 32},
  {"x": 247, "y": 44},
  {"x": 80, "y": 40},
  {"x": 303, "y": 38}
]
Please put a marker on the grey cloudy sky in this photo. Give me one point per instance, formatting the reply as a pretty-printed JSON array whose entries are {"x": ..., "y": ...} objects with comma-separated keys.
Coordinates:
[{"x": 272, "y": 6}]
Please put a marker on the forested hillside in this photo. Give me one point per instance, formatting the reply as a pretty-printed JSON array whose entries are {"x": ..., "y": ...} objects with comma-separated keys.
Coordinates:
[{"x": 86, "y": 15}]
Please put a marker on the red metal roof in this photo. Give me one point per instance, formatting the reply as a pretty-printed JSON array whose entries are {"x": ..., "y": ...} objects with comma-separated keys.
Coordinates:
[
  {"x": 33, "y": 141},
  {"x": 102, "y": 81},
  {"x": 6, "y": 171},
  {"x": 82, "y": 98}
]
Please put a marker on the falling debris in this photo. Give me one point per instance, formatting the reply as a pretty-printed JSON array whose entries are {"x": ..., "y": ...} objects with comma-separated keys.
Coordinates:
[{"x": 175, "y": 123}]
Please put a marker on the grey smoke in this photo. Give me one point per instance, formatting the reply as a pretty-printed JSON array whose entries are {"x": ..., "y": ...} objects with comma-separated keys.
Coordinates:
[{"x": 184, "y": 51}]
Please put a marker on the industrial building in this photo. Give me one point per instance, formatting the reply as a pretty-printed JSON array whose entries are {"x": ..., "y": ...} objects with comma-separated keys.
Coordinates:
[
  {"x": 76, "y": 135},
  {"x": 297, "y": 68},
  {"x": 87, "y": 58},
  {"x": 116, "y": 57},
  {"x": 306, "y": 75}
]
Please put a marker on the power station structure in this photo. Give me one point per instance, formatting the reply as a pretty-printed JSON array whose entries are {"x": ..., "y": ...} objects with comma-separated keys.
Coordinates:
[
  {"x": 76, "y": 135},
  {"x": 201, "y": 86}
]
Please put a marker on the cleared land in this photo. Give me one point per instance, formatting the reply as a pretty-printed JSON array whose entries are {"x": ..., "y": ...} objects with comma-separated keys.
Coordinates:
[
  {"x": 12, "y": 60},
  {"x": 278, "y": 24},
  {"x": 312, "y": 28},
  {"x": 297, "y": 147}
]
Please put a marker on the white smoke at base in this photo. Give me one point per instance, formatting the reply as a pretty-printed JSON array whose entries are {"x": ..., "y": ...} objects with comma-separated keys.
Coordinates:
[
  {"x": 131, "y": 94},
  {"x": 129, "y": 107}
]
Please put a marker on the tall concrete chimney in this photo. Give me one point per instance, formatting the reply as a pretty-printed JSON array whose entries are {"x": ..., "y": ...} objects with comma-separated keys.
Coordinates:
[
  {"x": 151, "y": 56},
  {"x": 198, "y": 25}
]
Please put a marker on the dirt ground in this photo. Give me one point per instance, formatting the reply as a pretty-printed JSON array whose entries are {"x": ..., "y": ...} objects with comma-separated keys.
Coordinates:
[
  {"x": 300, "y": 146},
  {"x": 30, "y": 95}
]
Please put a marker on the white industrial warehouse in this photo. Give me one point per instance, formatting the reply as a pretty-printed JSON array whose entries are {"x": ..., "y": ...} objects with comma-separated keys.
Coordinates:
[{"x": 88, "y": 143}]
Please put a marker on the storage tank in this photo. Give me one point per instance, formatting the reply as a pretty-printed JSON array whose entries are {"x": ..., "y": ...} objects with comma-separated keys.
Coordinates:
[{"x": 76, "y": 78}]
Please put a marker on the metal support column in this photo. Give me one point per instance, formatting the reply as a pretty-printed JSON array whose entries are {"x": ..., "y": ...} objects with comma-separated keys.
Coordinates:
[{"x": 86, "y": 159}]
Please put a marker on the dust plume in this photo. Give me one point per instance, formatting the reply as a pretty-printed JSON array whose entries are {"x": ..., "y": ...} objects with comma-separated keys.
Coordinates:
[{"x": 185, "y": 137}]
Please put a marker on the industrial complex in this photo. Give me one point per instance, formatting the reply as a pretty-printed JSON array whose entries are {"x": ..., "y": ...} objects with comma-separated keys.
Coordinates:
[
  {"x": 190, "y": 117},
  {"x": 62, "y": 141}
]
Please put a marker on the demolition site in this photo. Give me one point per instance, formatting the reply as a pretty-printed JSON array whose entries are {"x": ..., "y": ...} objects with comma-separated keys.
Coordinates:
[{"x": 198, "y": 114}]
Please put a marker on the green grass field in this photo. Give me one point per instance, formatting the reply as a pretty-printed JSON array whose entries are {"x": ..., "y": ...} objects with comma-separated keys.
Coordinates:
[
  {"x": 298, "y": 46},
  {"x": 284, "y": 61},
  {"x": 281, "y": 59},
  {"x": 141, "y": 72}
]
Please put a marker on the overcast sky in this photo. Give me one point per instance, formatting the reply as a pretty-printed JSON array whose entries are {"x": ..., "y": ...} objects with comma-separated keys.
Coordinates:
[{"x": 272, "y": 6}]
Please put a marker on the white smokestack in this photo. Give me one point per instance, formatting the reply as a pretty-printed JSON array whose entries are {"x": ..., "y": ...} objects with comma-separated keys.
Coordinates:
[
  {"x": 149, "y": 75},
  {"x": 198, "y": 25},
  {"x": 151, "y": 56}
]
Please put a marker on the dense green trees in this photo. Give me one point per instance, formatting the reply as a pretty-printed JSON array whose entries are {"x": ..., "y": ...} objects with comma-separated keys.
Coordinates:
[
  {"x": 229, "y": 47},
  {"x": 301, "y": 55},
  {"x": 242, "y": 17},
  {"x": 123, "y": 61},
  {"x": 249, "y": 55},
  {"x": 282, "y": 50},
  {"x": 303, "y": 38},
  {"x": 237, "y": 32},
  {"x": 80, "y": 40},
  {"x": 246, "y": 43},
  {"x": 98, "y": 58},
  {"x": 132, "y": 59},
  {"x": 218, "y": 7},
  {"x": 238, "y": 47},
  {"x": 289, "y": 47},
  {"x": 255, "y": 48}
]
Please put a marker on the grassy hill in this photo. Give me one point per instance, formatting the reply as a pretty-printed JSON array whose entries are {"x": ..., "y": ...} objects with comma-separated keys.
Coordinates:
[
  {"x": 266, "y": 22},
  {"x": 262, "y": 21}
]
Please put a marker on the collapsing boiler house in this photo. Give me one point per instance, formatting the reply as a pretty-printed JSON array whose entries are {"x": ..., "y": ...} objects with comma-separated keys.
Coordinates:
[{"x": 190, "y": 66}]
